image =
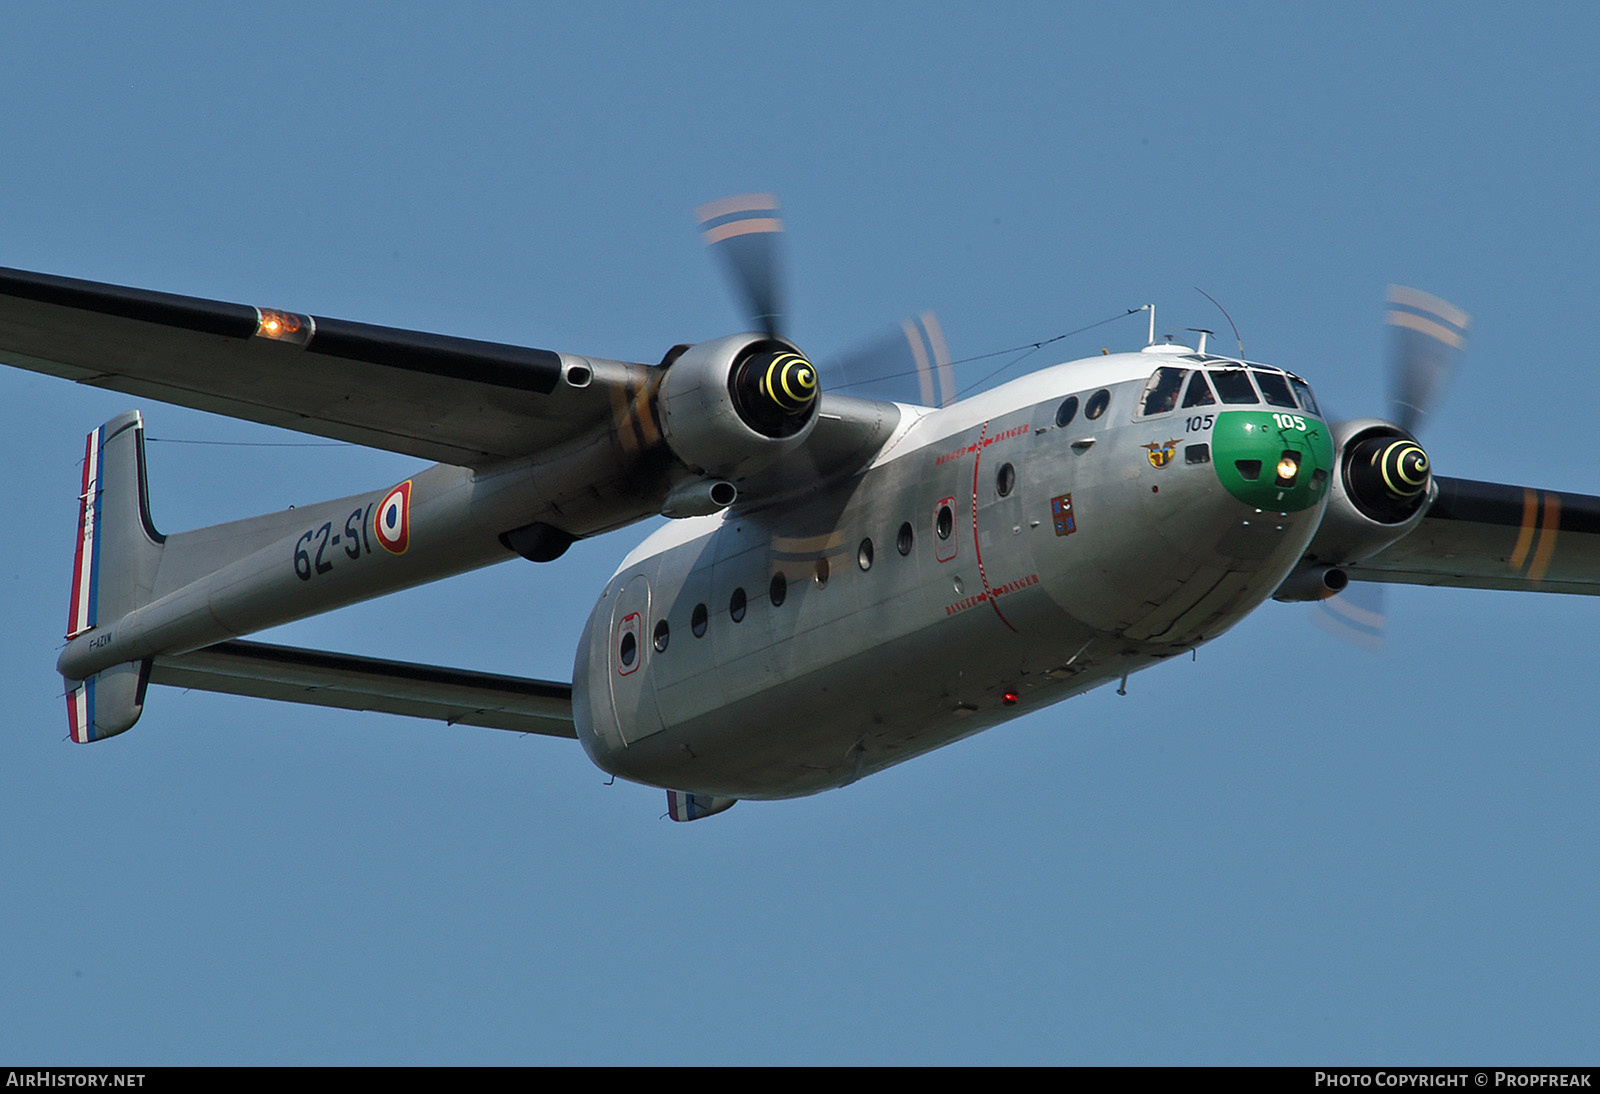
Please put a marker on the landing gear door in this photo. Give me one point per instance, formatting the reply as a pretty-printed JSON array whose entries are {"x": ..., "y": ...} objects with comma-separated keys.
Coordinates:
[{"x": 632, "y": 695}]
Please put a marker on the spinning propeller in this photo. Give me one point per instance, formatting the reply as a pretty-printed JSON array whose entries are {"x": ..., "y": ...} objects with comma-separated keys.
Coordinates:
[
  {"x": 1427, "y": 337},
  {"x": 743, "y": 230},
  {"x": 909, "y": 364},
  {"x": 1387, "y": 472}
]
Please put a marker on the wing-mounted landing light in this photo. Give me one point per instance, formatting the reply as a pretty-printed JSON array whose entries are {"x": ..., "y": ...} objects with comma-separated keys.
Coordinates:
[{"x": 285, "y": 326}]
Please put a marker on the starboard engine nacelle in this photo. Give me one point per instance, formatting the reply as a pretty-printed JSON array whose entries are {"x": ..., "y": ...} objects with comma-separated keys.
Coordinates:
[
  {"x": 730, "y": 407},
  {"x": 1380, "y": 493}
]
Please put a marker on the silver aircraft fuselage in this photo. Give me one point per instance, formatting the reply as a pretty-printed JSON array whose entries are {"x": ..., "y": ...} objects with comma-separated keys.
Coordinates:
[
  {"x": 844, "y": 582},
  {"x": 998, "y": 555}
]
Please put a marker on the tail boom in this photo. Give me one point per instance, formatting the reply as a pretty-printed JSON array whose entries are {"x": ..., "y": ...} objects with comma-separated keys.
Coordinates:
[{"x": 138, "y": 595}]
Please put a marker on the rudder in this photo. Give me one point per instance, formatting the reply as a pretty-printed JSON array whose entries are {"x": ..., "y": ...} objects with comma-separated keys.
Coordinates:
[{"x": 113, "y": 572}]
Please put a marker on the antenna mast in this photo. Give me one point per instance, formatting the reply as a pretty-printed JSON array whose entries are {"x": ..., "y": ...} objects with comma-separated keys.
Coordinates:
[{"x": 1226, "y": 316}]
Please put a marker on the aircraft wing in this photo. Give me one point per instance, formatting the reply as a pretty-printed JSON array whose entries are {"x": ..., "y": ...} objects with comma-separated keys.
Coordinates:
[
  {"x": 1483, "y": 535},
  {"x": 441, "y": 398},
  {"x": 457, "y": 696}
]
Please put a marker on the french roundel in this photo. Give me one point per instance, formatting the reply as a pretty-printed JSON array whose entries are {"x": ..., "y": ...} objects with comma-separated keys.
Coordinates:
[{"x": 392, "y": 521}]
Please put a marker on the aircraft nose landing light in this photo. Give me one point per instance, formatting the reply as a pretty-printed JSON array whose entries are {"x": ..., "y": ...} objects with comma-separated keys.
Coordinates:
[{"x": 1281, "y": 462}]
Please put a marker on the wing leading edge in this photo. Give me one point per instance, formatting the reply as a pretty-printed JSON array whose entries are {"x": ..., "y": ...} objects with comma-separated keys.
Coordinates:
[
  {"x": 442, "y": 398},
  {"x": 1484, "y": 535}
]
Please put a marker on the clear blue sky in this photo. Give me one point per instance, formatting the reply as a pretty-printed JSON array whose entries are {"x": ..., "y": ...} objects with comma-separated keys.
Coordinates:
[{"x": 1284, "y": 851}]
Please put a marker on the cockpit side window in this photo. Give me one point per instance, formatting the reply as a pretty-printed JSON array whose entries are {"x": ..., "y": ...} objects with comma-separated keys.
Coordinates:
[
  {"x": 1275, "y": 388},
  {"x": 1302, "y": 390},
  {"x": 1161, "y": 393},
  {"x": 1233, "y": 384},
  {"x": 1199, "y": 393}
]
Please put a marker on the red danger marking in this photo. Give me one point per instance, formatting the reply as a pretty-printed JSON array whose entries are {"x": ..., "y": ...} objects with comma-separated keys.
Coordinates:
[
  {"x": 982, "y": 442},
  {"x": 991, "y": 594},
  {"x": 392, "y": 521},
  {"x": 977, "y": 547}
]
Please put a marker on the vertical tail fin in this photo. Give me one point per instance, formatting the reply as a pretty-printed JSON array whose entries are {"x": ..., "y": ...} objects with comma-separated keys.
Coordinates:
[
  {"x": 118, "y": 551},
  {"x": 684, "y": 806}
]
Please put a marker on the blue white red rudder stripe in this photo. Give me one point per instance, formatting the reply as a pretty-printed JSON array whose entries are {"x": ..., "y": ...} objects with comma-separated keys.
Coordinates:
[
  {"x": 85, "y": 586},
  {"x": 85, "y": 569},
  {"x": 116, "y": 555},
  {"x": 684, "y": 806}
]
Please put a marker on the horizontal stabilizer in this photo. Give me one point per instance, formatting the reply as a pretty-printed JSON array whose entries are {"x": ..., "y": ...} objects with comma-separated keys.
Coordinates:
[{"x": 457, "y": 696}]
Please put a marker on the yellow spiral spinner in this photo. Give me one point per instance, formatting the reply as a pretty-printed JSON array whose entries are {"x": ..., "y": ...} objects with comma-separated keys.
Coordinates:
[
  {"x": 1404, "y": 466},
  {"x": 790, "y": 382}
]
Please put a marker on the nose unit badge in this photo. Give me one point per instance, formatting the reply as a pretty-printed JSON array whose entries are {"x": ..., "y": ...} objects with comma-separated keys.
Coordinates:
[{"x": 1161, "y": 454}]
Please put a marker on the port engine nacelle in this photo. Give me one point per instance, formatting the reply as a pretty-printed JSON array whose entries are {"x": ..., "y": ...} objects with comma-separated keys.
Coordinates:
[
  {"x": 1380, "y": 493},
  {"x": 730, "y": 407}
]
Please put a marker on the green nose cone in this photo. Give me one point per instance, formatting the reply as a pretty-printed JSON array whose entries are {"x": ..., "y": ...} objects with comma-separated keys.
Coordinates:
[{"x": 1270, "y": 460}]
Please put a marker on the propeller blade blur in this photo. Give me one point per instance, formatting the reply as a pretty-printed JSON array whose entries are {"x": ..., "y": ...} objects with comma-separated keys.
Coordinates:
[
  {"x": 909, "y": 364},
  {"x": 744, "y": 231},
  {"x": 1428, "y": 335},
  {"x": 1355, "y": 616}
]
